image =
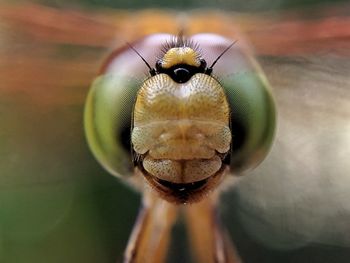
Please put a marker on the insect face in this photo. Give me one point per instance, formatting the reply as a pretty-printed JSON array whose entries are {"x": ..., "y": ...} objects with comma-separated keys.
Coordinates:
[{"x": 181, "y": 130}]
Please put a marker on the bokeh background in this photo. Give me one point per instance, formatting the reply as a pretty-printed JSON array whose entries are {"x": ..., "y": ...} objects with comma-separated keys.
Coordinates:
[{"x": 58, "y": 205}]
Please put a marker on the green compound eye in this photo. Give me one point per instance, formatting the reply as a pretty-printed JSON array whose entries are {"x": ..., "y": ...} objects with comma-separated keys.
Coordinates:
[
  {"x": 252, "y": 118},
  {"x": 108, "y": 115}
]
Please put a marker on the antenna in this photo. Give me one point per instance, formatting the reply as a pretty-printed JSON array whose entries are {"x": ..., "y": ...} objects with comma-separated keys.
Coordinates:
[
  {"x": 152, "y": 71},
  {"x": 210, "y": 69}
]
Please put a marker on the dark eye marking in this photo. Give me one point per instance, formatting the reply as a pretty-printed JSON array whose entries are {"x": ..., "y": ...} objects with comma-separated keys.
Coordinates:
[
  {"x": 124, "y": 137},
  {"x": 181, "y": 73}
]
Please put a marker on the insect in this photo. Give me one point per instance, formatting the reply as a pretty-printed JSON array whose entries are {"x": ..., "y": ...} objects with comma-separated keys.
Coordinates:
[
  {"x": 180, "y": 133},
  {"x": 54, "y": 195}
]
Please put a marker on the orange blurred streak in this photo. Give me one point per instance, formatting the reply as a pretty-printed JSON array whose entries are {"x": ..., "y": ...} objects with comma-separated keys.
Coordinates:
[
  {"x": 46, "y": 80},
  {"x": 32, "y": 36},
  {"x": 304, "y": 37},
  {"x": 61, "y": 26},
  {"x": 268, "y": 35}
]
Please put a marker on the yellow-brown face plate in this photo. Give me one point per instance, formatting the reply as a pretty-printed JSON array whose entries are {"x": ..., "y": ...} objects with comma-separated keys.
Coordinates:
[
  {"x": 181, "y": 129},
  {"x": 180, "y": 55},
  {"x": 181, "y": 121},
  {"x": 162, "y": 99}
]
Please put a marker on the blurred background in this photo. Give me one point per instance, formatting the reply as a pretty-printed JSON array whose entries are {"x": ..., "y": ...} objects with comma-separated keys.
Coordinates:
[{"x": 58, "y": 205}]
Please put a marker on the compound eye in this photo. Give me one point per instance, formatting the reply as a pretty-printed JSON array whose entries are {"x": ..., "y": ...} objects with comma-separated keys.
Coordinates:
[
  {"x": 107, "y": 119},
  {"x": 181, "y": 75},
  {"x": 252, "y": 118}
]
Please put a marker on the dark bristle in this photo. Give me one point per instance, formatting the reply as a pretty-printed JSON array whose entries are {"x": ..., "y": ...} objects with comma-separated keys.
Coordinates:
[
  {"x": 179, "y": 41},
  {"x": 209, "y": 70},
  {"x": 152, "y": 71}
]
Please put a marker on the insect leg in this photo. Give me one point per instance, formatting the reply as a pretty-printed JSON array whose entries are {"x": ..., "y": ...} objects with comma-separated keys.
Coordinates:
[
  {"x": 210, "y": 242},
  {"x": 151, "y": 234}
]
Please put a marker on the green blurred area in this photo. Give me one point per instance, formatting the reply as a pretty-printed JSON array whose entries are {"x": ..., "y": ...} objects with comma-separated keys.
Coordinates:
[{"x": 56, "y": 203}]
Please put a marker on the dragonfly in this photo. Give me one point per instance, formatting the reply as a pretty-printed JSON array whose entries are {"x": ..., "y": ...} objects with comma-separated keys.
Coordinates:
[
  {"x": 290, "y": 201},
  {"x": 185, "y": 130}
]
